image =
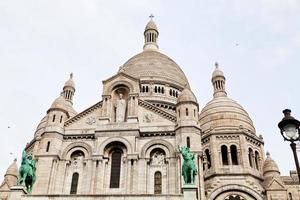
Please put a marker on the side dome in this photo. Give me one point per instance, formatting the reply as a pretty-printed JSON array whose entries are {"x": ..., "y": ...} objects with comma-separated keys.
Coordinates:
[
  {"x": 155, "y": 66},
  {"x": 224, "y": 113},
  {"x": 187, "y": 96},
  {"x": 12, "y": 169},
  {"x": 270, "y": 167}
]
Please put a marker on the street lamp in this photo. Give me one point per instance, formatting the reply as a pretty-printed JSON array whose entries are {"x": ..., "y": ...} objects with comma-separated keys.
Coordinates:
[{"x": 289, "y": 129}]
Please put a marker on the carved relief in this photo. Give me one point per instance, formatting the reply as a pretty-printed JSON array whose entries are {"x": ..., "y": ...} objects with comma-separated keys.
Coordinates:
[
  {"x": 158, "y": 158},
  {"x": 148, "y": 118},
  {"x": 90, "y": 120}
]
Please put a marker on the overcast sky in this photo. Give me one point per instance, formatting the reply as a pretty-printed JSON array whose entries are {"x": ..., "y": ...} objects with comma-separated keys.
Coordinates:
[{"x": 257, "y": 45}]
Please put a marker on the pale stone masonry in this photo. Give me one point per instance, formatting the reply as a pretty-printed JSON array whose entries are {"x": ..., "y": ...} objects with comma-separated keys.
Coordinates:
[{"x": 125, "y": 147}]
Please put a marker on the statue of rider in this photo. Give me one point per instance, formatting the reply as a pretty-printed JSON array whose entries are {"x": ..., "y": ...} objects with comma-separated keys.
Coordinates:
[{"x": 27, "y": 171}]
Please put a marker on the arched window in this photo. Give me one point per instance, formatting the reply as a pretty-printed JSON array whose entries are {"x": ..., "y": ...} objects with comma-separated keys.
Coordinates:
[
  {"x": 234, "y": 155},
  {"x": 207, "y": 154},
  {"x": 61, "y": 118},
  {"x": 176, "y": 94},
  {"x": 178, "y": 113},
  {"x": 188, "y": 142},
  {"x": 290, "y": 196},
  {"x": 256, "y": 157},
  {"x": 48, "y": 146},
  {"x": 155, "y": 89},
  {"x": 159, "y": 90},
  {"x": 162, "y": 90},
  {"x": 187, "y": 112},
  {"x": 173, "y": 93},
  {"x": 157, "y": 183},
  {"x": 224, "y": 153},
  {"x": 53, "y": 119},
  {"x": 147, "y": 88},
  {"x": 115, "y": 169},
  {"x": 74, "y": 183},
  {"x": 250, "y": 154},
  {"x": 170, "y": 92},
  {"x": 194, "y": 112}
]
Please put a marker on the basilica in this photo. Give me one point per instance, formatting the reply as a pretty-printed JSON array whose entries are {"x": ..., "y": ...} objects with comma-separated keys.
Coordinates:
[{"x": 127, "y": 145}]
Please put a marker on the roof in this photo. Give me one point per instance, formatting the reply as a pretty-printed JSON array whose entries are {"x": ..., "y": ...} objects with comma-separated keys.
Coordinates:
[
  {"x": 224, "y": 113},
  {"x": 187, "y": 96},
  {"x": 155, "y": 66}
]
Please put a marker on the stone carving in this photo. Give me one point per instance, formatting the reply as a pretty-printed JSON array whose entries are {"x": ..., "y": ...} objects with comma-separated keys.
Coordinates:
[
  {"x": 148, "y": 118},
  {"x": 189, "y": 170},
  {"x": 158, "y": 158},
  {"x": 120, "y": 109},
  {"x": 90, "y": 120},
  {"x": 27, "y": 171}
]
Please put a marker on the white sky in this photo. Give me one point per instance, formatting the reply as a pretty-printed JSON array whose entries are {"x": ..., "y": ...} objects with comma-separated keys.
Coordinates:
[{"x": 41, "y": 42}]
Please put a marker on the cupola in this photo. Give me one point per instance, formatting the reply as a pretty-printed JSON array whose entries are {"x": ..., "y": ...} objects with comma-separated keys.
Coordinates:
[
  {"x": 151, "y": 35},
  {"x": 270, "y": 168}
]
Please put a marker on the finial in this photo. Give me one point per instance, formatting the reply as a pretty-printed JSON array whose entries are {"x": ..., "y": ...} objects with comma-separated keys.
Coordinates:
[
  {"x": 71, "y": 75},
  {"x": 217, "y": 65},
  {"x": 151, "y": 16},
  {"x": 268, "y": 154},
  {"x": 15, "y": 160}
]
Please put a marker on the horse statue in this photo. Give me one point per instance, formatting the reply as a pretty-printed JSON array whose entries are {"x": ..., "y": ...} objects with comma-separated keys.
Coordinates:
[
  {"x": 189, "y": 169},
  {"x": 27, "y": 172}
]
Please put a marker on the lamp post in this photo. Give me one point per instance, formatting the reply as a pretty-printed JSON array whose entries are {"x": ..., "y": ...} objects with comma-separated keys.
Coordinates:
[{"x": 289, "y": 129}]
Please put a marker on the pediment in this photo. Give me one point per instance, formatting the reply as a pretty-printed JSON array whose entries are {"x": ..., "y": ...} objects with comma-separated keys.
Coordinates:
[
  {"x": 275, "y": 184},
  {"x": 151, "y": 115},
  {"x": 86, "y": 119},
  {"x": 121, "y": 79}
]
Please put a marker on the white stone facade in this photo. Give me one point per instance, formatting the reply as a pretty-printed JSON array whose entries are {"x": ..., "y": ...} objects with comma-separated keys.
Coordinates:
[{"x": 126, "y": 145}]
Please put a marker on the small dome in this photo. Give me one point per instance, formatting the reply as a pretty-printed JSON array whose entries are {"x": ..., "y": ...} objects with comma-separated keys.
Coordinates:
[
  {"x": 42, "y": 125},
  {"x": 62, "y": 103},
  {"x": 270, "y": 167},
  {"x": 70, "y": 82},
  {"x": 224, "y": 113},
  {"x": 59, "y": 103},
  {"x": 155, "y": 66},
  {"x": 187, "y": 96},
  {"x": 12, "y": 169},
  {"x": 217, "y": 72},
  {"x": 151, "y": 25}
]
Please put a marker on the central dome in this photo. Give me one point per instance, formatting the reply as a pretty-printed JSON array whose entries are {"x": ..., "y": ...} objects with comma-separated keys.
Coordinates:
[{"x": 155, "y": 66}]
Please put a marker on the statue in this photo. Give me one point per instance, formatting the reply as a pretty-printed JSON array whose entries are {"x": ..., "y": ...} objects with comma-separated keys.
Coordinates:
[
  {"x": 189, "y": 170},
  {"x": 27, "y": 172},
  {"x": 120, "y": 109}
]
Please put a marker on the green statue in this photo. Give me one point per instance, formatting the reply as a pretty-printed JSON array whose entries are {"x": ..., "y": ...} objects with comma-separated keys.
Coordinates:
[
  {"x": 27, "y": 171},
  {"x": 189, "y": 169}
]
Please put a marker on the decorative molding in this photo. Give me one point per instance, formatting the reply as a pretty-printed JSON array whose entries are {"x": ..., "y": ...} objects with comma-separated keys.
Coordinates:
[
  {"x": 151, "y": 134},
  {"x": 253, "y": 141},
  {"x": 227, "y": 137},
  {"x": 79, "y": 137}
]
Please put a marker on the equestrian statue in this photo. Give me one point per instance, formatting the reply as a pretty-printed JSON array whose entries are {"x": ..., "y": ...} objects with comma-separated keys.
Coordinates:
[
  {"x": 189, "y": 169},
  {"x": 27, "y": 172}
]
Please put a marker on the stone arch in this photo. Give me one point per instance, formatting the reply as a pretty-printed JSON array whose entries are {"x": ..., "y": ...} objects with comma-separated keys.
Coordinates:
[
  {"x": 84, "y": 147},
  {"x": 115, "y": 139},
  {"x": 163, "y": 144},
  {"x": 119, "y": 82},
  {"x": 234, "y": 187}
]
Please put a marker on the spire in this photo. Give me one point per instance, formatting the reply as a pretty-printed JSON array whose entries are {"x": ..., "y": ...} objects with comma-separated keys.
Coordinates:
[
  {"x": 151, "y": 35},
  {"x": 218, "y": 81},
  {"x": 69, "y": 89}
]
